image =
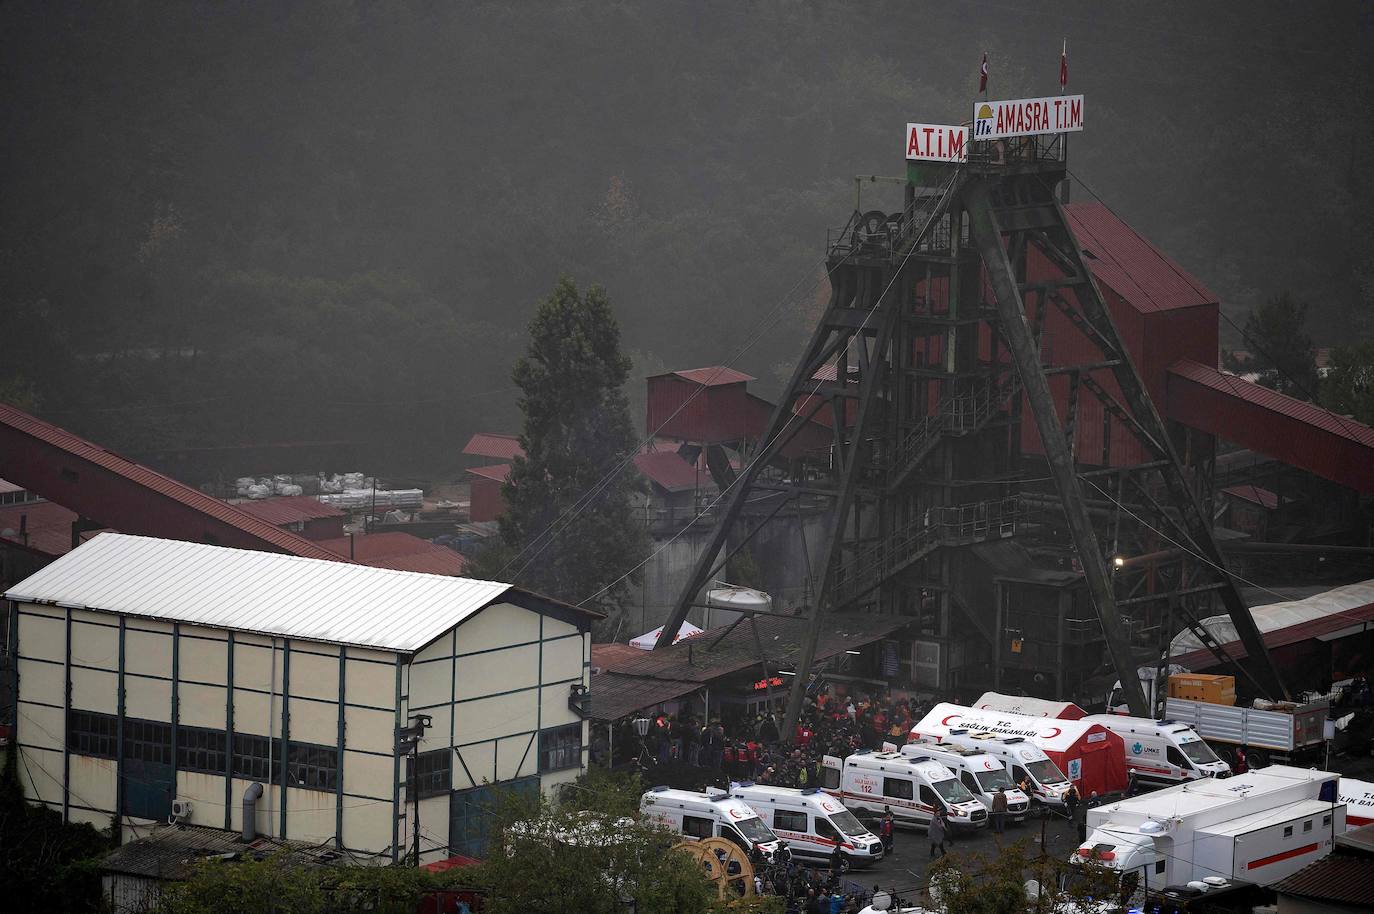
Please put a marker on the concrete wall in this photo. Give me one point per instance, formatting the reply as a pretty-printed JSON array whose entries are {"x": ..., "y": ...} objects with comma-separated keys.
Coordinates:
[{"x": 490, "y": 685}]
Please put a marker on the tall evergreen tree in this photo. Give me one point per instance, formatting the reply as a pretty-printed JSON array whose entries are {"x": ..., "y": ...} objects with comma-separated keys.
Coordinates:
[
  {"x": 1280, "y": 350},
  {"x": 569, "y": 530}
]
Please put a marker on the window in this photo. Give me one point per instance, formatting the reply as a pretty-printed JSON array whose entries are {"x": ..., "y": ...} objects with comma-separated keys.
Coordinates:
[
  {"x": 312, "y": 767},
  {"x": 830, "y": 778},
  {"x": 199, "y": 749},
  {"x": 1326, "y": 820},
  {"x": 788, "y": 820},
  {"x": 969, "y": 782},
  {"x": 560, "y": 748},
  {"x": 827, "y": 831},
  {"x": 1159, "y": 866},
  {"x": 257, "y": 758},
  {"x": 434, "y": 775},
  {"x": 697, "y": 827},
  {"x": 89, "y": 733},
  {"x": 897, "y": 787},
  {"x": 1307, "y": 826},
  {"x": 928, "y": 798},
  {"x": 1176, "y": 758},
  {"x": 148, "y": 741},
  {"x": 1288, "y": 832}
]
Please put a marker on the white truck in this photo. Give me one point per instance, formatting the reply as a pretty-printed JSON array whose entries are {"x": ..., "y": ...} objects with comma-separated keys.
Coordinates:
[
  {"x": 1163, "y": 751},
  {"x": 1257, "y": 827},
  {"x": 1285, "y": 733}
]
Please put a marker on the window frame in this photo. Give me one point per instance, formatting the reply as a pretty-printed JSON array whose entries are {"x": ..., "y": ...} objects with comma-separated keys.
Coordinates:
[
  {"x": 93, "y": 734},
  {"x": 147, "y": 741},
  {"x": 790, "y": 823},
  {"x": 430, "y": 779},
  {"x": 710, "y": 826},
  {"x": 560, "y": 748},
  {"x": 252, "y": 754},
  {"x": 909, "y": 794},
  {"x": 202, "y": 749}
]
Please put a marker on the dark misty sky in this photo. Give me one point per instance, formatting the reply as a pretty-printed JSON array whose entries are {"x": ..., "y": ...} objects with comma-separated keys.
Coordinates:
[{"x": 271, "y": 221}]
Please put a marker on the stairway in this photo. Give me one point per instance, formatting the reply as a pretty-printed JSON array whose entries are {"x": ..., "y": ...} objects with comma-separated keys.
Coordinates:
[{"x": 960, "y": 413}]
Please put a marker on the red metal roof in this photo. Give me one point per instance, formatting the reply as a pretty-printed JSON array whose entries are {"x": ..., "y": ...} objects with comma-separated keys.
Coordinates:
[
  {"x": 491, "y": 444},
  {"x": 1262, "y": 497},
  {"x": 712, "y": 376},
  {"x": 399, "y": 551},
  {"x": 288, "y": 509},
  {"x": 129, "y": 496},
  {"x": 49, "y": 526},
  {"x": 1343, "y": 878},
  {"x": 667, "y": 470},
  {"x": 1135, "y": 269},
  {"x": 1297, "y": 433},
  {"x": 614, "y": 695},
  {"x": 497, "y": 471}
]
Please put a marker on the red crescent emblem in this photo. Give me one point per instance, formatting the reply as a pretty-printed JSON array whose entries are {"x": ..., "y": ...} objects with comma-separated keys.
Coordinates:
[
  {"x": 945, "y": 722},
  {"x": 1056, "y": 732}
]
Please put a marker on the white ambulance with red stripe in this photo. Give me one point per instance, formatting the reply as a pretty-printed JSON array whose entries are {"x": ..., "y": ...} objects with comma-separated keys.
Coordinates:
[
  {"x": 912, "y": 788},
  {"x": 1163, "y": 751},
  {"x": 811, "y": 823},
  {"x": 1257, "y": 827}
]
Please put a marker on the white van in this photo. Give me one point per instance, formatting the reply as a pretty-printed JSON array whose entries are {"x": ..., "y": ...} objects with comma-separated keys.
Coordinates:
[
  {"x": 981, "y": 772},
  {"x": 1025, "y": 761},
  {"x": 911, "y": 788},
  {"x": 711, "y": 815},
  {"x": 1163, "y": 751},
  {"x": 811, "y": 823}
]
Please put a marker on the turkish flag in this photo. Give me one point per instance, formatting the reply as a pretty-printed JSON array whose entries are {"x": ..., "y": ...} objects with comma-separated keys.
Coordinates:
[
  {"x": 1064, "y": 65},
  {"x": 983, "y": 75}
]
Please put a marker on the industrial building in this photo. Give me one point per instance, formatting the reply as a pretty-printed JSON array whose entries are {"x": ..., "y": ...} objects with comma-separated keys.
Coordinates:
[{"x": 157, "y": 677}]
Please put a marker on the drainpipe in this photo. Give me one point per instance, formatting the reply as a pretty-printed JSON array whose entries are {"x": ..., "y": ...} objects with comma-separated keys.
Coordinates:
[{"x": 250, "y": 811}]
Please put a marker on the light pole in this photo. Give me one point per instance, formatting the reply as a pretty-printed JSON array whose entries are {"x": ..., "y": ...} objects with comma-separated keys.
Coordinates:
[{"x": 408, "y": 741}]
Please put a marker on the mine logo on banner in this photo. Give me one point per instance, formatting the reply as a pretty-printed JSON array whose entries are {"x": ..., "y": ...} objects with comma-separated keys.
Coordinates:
[
  {"x": 1027, "y": 116},
  {"x": 936, "y": 143}
]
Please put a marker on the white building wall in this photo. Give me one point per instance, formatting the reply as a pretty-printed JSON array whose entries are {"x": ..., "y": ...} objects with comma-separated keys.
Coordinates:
[{"x": 490, "y": 686}]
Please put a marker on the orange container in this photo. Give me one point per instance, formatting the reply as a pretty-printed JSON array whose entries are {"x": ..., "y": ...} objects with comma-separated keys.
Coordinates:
[{"x": 1213, "y": 689}]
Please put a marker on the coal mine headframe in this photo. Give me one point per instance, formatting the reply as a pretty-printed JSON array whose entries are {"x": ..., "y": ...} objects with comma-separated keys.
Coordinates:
[{"x": 998, "y": 470}]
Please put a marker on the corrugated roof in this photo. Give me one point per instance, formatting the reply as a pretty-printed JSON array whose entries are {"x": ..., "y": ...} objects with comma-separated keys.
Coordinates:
[
  {"x": 1135, "y": 269},
  {"x": 270, "y": 536},
  {"x": 668, "y": 470},
  {"x": 497, "y": 471},
  {"x": 399, "y": 551},
  {"x": 1274, "y": 401},
  {"x": 1341, "y": 878},
  {"x": 693, "y": 659},
  {"x": 263, "y": 592},
  {"x": 49, "y": 526},
  {"x": 491, "y": 444},
  {"x": 712, "y": 376},
  {"x": 615, "y": 695},
  {"x": 171, "y": 852},
  {"x": 288, "y": 509}
]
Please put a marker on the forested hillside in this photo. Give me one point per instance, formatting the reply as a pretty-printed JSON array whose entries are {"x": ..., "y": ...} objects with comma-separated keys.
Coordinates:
[{"x": 244, "y": 223}]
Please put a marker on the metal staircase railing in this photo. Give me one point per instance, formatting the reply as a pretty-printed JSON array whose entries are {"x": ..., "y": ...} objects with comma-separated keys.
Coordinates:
[{"x": 960, "y": 413}]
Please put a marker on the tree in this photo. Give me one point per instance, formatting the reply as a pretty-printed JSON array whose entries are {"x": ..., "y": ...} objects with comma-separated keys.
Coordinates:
[
  {"x": 1348, "y": 387},
  {"x": 568, "y": 530},
  {"x": 1280, "y": 351},
  {"x": 588, "y": 854}
]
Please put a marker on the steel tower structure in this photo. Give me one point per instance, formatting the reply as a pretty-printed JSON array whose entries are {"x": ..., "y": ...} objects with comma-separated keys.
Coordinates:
[{"x": 929, "y": 358}]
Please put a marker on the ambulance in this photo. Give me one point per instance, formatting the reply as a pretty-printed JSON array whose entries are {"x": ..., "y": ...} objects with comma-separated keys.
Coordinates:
[
  {"x": 1163, "y": 751},
  {"x": 812, "y": 823},
  {"x": 912, "y": 788},
  {"x": 980, "y": 772},
  {"x": 1025, "y": 761},
  {"x": 714, "y": 814}
]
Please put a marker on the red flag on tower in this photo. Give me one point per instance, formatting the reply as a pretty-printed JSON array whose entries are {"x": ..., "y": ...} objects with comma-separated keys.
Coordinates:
[
  {"x": 983, "y": 75},
  {"x": 1064, "y": 66}
]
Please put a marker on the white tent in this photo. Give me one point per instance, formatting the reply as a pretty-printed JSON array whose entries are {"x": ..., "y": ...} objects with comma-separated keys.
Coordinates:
[
  {"x": 646, "y": 641},
  {"x": 1274, "y": 616}
]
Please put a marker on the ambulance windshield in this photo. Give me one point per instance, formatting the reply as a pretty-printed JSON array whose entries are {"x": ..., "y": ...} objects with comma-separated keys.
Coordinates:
[{"x": 1046, "y": 772}]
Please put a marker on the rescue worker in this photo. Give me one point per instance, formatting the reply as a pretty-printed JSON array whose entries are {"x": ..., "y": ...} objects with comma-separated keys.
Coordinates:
[
  {"x": 998, "y": 813},
  {"x": 885, "y": 829},
  {"x": 938, "y": 830}
]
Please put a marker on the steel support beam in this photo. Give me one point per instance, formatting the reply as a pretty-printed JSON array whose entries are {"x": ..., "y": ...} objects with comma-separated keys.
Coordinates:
[{"x": 987, "y": 235}]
